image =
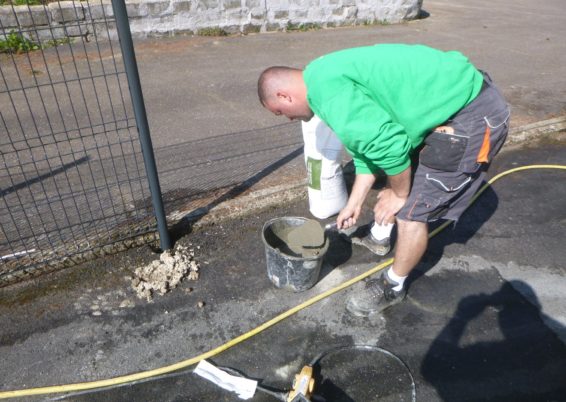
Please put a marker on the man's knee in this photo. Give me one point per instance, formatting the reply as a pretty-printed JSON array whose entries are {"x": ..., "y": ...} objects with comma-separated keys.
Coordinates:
[{"x": 405, "y": 225}]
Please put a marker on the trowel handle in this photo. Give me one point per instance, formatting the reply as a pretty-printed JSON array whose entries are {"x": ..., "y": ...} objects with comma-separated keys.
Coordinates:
[{"x": 331, "y": 226}]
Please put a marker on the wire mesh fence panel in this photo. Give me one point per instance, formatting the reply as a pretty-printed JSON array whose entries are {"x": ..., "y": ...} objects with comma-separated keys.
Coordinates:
[
  {"x": 71, "y": 168},
  {"x": 197, "y": 175}
]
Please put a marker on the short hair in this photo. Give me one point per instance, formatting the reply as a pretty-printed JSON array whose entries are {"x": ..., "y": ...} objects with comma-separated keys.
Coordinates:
[{"x": 270, "y": 79}]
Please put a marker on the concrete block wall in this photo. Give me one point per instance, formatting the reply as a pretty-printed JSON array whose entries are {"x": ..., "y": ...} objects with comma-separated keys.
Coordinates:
[{"x": 65, "y": 19}]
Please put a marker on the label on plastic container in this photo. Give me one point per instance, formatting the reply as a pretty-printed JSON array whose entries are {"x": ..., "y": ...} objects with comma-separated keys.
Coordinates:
[{"x": 314, "y": 167}]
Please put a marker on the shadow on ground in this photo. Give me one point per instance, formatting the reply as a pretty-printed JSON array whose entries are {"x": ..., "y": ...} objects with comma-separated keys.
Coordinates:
[{"x": 508, "y": 368}]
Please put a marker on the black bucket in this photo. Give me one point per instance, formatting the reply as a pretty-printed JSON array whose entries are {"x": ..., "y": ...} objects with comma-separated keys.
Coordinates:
[{"x": 286, "y": 269}]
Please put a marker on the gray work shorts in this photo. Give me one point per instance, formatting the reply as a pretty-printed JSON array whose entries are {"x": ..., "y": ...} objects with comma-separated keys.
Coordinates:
[{"x": 452, "y": 167}]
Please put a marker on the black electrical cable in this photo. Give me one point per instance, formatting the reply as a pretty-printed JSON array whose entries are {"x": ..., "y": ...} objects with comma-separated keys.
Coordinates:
[
  {"x": 372, "y": 348},
  {"x": 278, "y": 394},
  {"x": 282, "y": 396}
]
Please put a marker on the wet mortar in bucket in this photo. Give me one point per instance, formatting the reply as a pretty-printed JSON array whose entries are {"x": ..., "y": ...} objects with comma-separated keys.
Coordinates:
[{"x": 295, "y": 248}]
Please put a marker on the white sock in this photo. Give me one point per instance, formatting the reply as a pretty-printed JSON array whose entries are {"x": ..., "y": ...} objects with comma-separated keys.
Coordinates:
[
  {"x": 400, "y": 280},
  {"x": 381, "y": 232}
]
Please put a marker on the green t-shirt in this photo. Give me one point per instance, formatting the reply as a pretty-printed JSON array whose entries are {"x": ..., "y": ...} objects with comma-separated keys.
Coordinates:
[{"x": 382, "y": 100}]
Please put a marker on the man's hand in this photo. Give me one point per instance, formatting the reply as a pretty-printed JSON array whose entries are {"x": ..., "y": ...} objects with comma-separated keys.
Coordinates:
[
  {"x": 387, "y": 206},
  {"x": 351, "y": 212},
  {"x": 348, "y": 217},
  {"x": 391, "y": 199}
]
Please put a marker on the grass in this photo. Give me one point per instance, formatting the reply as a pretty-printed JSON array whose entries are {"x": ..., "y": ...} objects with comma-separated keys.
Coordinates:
[
  {"x": 215, "y": 31},
  {"x": 302, "y": 27},
  {"x": 376, "y": 22},
  {"x": 22, "y": 2}
]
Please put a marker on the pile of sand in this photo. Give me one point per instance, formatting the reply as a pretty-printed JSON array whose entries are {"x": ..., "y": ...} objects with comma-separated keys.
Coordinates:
[{"x": 164, "y": 275}]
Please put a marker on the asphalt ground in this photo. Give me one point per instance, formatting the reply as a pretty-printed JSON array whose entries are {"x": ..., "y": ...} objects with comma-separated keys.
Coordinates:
[{"x": 484, "y": 319}]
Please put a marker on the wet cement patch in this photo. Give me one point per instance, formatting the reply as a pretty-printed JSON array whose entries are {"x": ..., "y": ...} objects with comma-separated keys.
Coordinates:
[
  {"x": 294, "y": 251},
  {"x": 296, "y": 237},
  {"x": 308, "y": 236}
]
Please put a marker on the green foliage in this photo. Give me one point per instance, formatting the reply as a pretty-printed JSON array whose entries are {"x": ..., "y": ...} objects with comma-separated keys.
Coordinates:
[
  {"x": 21, "y": 2},
  {"x": 376, "y": 22},
  {"x": 56, "y": 42},
  {"x": 303, "y": 27},
  {"x": 250, "y": 28},
  {"x": 215, "y": 31},
  {"x": 16, "y": 43}
]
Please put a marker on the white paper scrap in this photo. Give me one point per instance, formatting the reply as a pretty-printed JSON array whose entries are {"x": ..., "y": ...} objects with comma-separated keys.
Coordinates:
[{"x": 244, "y": 387}]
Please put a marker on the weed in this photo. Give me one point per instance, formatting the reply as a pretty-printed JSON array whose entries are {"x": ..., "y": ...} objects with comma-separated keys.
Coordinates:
[
  {"x": 16, "y": 43},
  {"x": 214, "y": 31},
  {"x": 376, "y": 22},
  {"x": 250, "y": 28},
  {"x": 303, "y": 27},
  {"x": 57, "y": 42},
  {"x": 21, "y": 2}
]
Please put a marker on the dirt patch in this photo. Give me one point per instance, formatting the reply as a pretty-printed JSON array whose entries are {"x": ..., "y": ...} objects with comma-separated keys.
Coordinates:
[{"x": 163, "y": 275}]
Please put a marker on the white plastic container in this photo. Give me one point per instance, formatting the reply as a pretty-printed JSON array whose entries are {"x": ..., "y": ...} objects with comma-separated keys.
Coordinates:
[{"x": 323, "y": 154}]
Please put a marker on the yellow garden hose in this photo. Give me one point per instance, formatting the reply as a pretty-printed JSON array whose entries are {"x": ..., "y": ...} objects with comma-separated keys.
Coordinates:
[{"x": 189, "y": 362}]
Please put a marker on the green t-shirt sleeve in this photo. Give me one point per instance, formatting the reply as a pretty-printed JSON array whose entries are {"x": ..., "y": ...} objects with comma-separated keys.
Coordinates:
[{"x": 367, "y": 131}]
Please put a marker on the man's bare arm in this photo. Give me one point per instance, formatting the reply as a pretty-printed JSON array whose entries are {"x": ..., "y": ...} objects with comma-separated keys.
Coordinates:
[
  {"x": 351, "y": 212},
  {"x": 391, "y": 199}
]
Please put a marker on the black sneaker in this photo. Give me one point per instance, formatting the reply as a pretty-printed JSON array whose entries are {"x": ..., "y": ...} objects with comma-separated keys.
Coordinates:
[
  {"x": 363, "y": 237},
  {"x": 377, "y": 295}
]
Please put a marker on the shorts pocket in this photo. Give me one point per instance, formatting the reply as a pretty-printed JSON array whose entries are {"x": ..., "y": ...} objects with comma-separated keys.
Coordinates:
[
  {"x": 449, "y": 183},
  {"x": 420, "y": 209},
  {"x": 498, "y": 119},
  {"x": 443, "y": 151}
]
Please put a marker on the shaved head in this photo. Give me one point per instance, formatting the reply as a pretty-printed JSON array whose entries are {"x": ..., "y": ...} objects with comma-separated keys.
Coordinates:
[
  {"x": 273, "y": 79},
  {"x": 282, "y": 91}
]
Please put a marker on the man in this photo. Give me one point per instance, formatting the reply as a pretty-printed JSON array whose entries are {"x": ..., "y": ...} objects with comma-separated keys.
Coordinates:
[{"x": 384, "y": 103}]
